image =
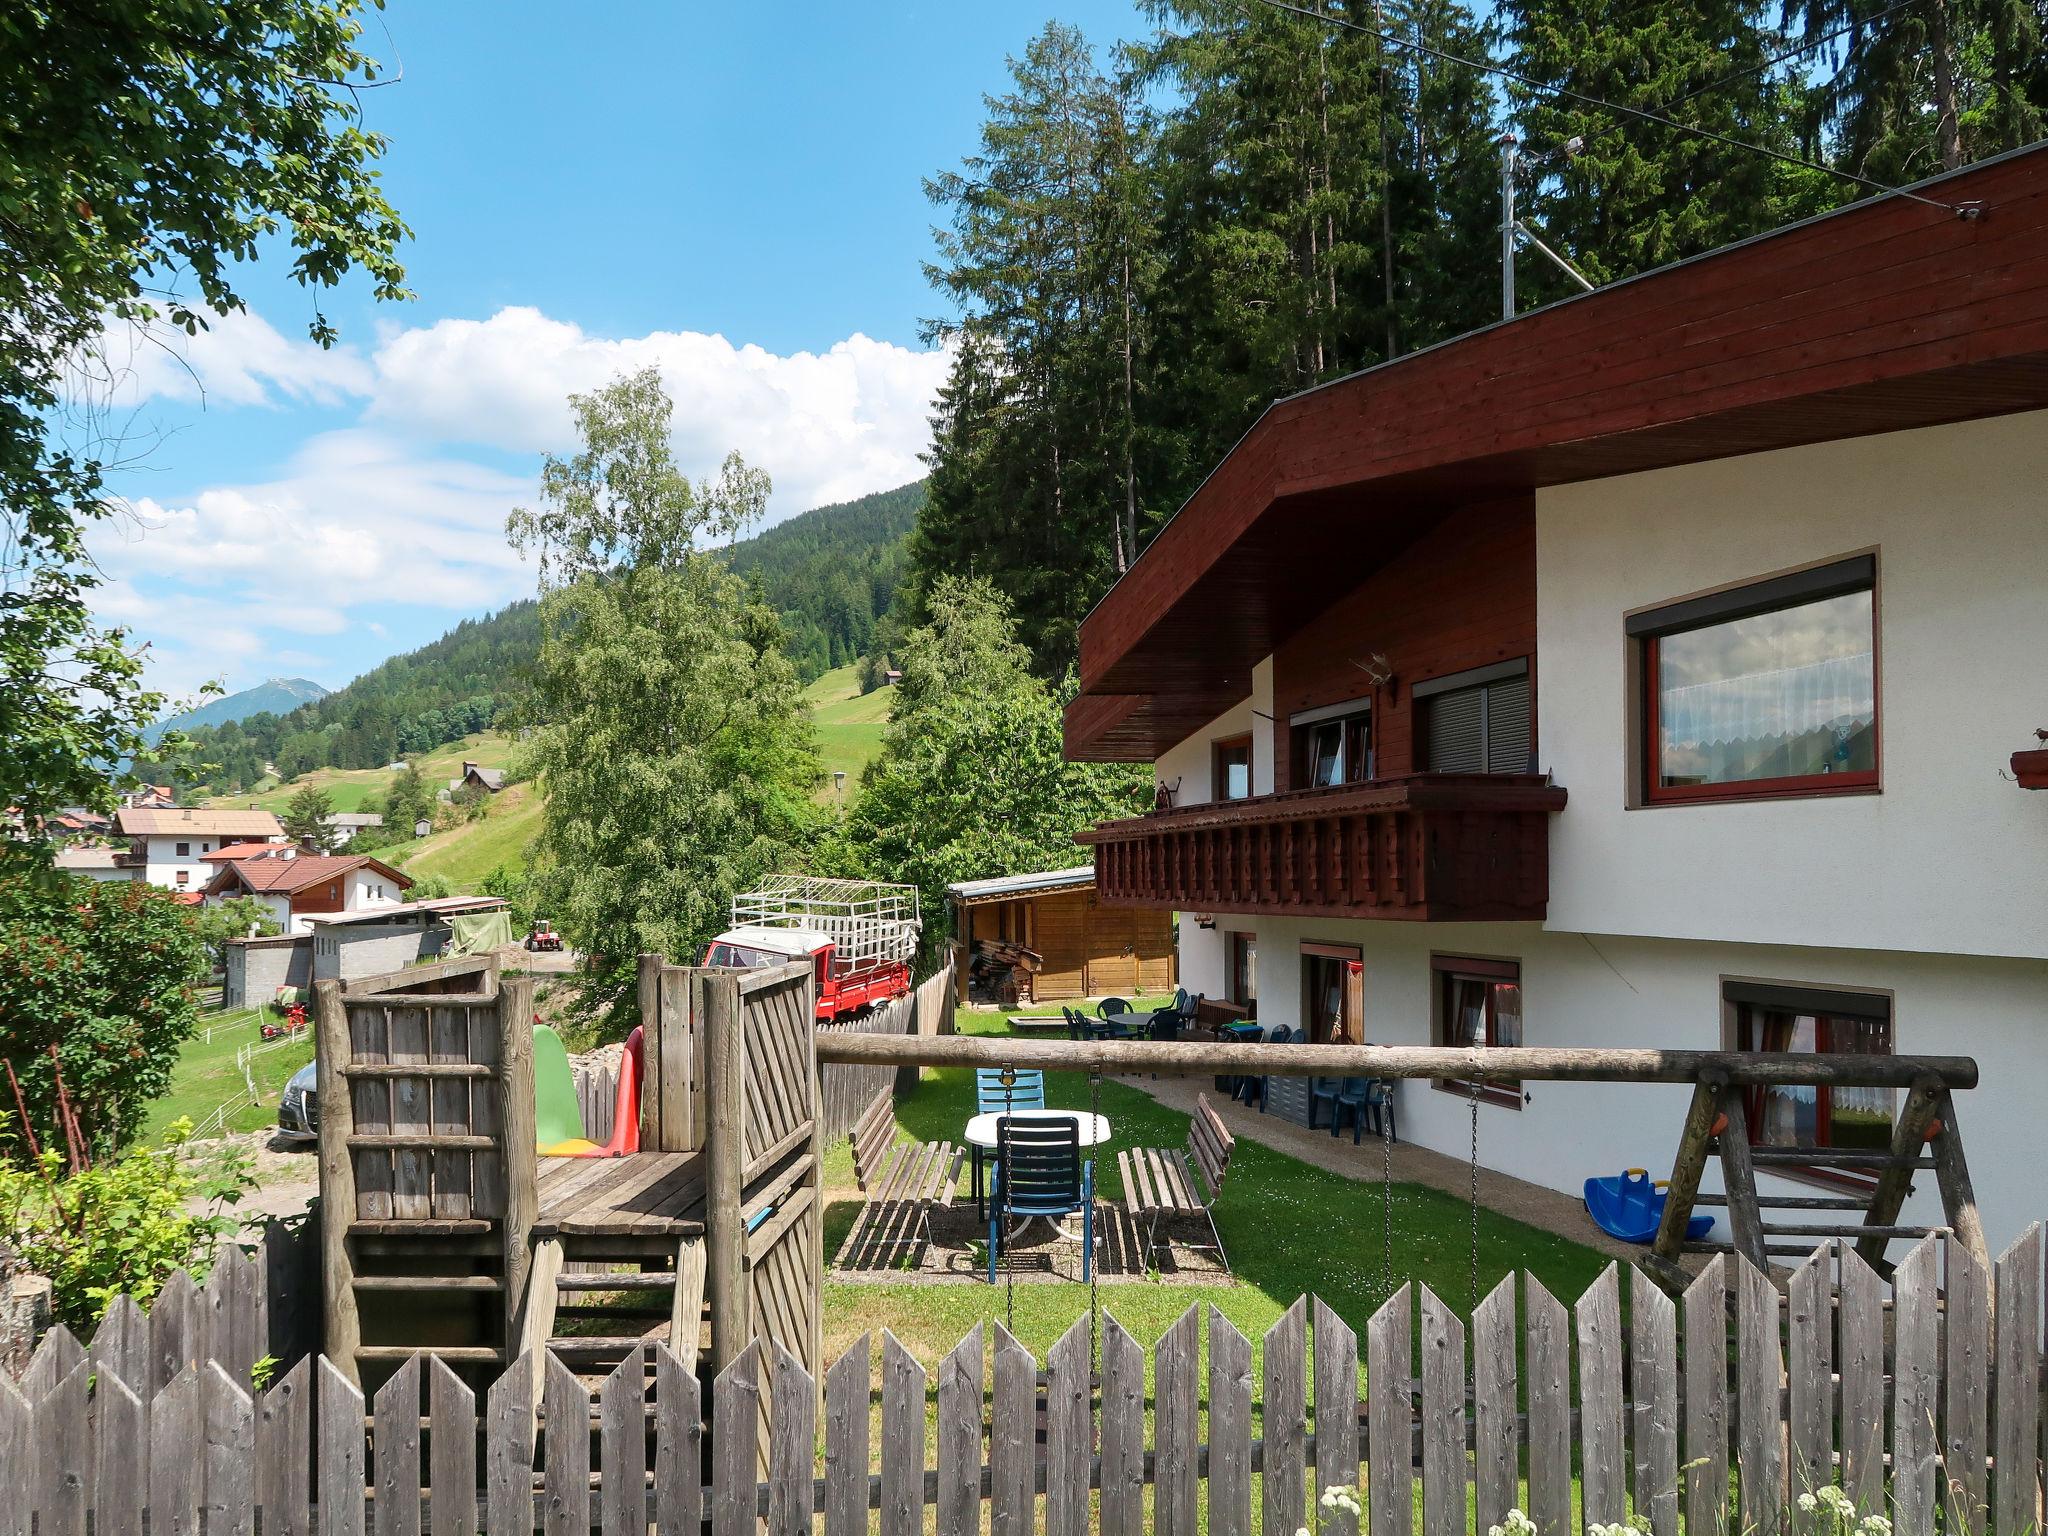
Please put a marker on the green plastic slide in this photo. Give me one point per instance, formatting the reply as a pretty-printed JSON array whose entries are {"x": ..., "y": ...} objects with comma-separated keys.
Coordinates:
[{"x": 557, "y": 1122}]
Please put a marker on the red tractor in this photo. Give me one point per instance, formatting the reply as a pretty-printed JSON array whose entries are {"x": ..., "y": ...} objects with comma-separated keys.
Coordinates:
[{"x": 543, "y": 936}]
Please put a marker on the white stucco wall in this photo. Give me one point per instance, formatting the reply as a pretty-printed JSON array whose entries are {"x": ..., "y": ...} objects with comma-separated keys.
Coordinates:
[
  {"x": 368, "y": 889},
  {"x": 1949, "y": 856},
  {"x": 1614, "y": 991},
  {"x": 1192, "y": 762},
  {"x": 162, "y": 861}
]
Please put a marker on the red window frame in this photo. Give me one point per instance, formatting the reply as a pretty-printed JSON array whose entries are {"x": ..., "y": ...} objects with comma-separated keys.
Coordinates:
[
  {"x": 1861, "y": 781},
  {"x": 1445, "y": 972},
  {"x": 1746, "y": 1017}
]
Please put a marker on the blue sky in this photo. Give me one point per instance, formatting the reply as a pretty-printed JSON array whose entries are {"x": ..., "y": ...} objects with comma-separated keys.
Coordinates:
[{"x": 732, "y": 193}]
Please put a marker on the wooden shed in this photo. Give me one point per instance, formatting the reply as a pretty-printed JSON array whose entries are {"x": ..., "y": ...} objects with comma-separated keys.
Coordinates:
[{"x": 1073, "y": 946}]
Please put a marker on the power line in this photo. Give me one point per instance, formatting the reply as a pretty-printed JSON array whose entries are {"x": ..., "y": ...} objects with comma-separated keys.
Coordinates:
[{"x": 1614, "y": 106}]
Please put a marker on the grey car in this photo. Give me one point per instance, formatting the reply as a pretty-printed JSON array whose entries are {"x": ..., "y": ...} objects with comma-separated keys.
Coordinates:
[{"x": 298, "y": 1112}]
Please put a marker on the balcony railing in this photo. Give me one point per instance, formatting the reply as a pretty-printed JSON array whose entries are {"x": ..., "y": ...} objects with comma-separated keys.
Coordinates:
[{"x": 1428, "y": 848}]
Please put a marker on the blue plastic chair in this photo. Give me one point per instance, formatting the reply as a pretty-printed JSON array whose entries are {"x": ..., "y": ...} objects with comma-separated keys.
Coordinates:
[
  {"x": 1040, "y": 1172},
  {"x": 990, "y": 1096},
  {"x": 1251, "y": 1088},
  {"x": 1342, "y": 1094}
]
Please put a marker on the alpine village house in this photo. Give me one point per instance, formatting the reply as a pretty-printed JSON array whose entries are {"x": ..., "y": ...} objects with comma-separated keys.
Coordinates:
[{"x": 1647, "y": 670}]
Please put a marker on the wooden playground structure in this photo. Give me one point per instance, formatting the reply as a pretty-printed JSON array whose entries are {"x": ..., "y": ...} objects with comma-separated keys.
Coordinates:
[{"x": 444, "y": 1232}]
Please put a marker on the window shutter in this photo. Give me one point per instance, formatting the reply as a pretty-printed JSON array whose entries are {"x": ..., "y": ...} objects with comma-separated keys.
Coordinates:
[
  {"x": 1455, "y": 730},
  {"x": 1507, "y": 726}
]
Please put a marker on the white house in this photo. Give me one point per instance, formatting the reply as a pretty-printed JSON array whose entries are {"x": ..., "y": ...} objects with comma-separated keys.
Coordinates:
[
  {"x": 170, "y": 845},
  {"x": 1645, "y": 671}
]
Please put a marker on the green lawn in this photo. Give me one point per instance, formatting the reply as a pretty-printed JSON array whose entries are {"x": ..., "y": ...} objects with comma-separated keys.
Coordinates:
[
  {"x": 1290, "y": 1228},
  {"x": 849, "y": 723},
  {"x": 468, "y": 853},
  {"x": 206, "y": 1075}
]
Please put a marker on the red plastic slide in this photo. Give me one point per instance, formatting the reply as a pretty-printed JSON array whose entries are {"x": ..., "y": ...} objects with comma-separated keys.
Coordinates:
[{"x": 626, "y": 1107}]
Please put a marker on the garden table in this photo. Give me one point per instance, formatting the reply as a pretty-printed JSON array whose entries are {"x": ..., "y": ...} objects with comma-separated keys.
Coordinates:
[{"x": 981, "y": 1136}]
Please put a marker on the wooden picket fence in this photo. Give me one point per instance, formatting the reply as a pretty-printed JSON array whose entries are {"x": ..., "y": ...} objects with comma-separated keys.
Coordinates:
[
  {"x": 1926, "y": 1405},
  {"x": 845, "y": 1090}
]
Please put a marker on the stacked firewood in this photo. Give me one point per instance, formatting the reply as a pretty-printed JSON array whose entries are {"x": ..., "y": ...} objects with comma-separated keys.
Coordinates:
[{"x": 1000, "y": 972}]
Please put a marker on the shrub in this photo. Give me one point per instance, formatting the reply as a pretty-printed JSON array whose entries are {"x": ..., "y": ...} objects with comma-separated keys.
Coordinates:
[
  {"x": 122, "y": 1225},
  {"x": 103, "y": 972}
]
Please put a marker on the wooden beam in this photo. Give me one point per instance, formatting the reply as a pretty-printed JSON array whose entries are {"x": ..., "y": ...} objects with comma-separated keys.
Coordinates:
[
  {"x": 1909, "y": 1135},
  {"x": 332, "y": 1051},
  {"x": 1958, "y": 1196},
  {"x": 1492, "y": 1065},
  {"x": 1695, "y": 1142},
  {"x": 1738, "y": 1177}
]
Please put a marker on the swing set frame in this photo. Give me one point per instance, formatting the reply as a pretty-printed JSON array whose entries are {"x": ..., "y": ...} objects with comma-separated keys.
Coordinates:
[{"x": 1924, "y": 1135}]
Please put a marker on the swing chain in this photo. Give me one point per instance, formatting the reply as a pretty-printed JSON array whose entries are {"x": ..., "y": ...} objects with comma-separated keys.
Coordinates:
[
  {"x": 1475, "y": 1194},
  {"x": 1387, "y": 1179},
  {"x": 1094, "y": 1295}
]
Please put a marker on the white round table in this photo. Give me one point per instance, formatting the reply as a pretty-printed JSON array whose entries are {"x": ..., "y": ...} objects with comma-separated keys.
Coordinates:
[
  {"x": 981, "y": 1130},
  {"x": 981, "y": 1135}
]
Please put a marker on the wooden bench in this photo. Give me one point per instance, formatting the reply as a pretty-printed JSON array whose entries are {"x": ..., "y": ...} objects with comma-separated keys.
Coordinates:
[
  {"x": 1167, "y": 1181},
  {"x": 916, "y": 1174}
]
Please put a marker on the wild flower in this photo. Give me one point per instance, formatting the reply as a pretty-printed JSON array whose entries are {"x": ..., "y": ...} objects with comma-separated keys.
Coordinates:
[{"x": 1516, "y": 1524}]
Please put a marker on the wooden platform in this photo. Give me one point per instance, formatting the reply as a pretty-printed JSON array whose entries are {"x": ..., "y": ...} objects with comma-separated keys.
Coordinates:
[{"x": 644, "y": 1194}]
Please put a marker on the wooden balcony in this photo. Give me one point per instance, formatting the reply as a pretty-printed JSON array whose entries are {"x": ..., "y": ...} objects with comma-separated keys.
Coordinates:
[{"x": 1429, "y": 848}]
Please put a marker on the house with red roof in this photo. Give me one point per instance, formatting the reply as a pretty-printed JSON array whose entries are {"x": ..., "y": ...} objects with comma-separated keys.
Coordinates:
[{"x": 298, "y": 886}]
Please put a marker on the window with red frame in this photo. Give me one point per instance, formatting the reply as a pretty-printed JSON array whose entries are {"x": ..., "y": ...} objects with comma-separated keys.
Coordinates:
[
  {"x": 1479, "y": 1003},
  {"x": 1231, "y": 770},
  {"x": 1770, "y": 1017},
  {"x": 1768, "y": 689}
]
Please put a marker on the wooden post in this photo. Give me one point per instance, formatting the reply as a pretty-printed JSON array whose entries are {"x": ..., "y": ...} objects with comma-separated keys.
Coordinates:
[
  {"x": 725, "y": 1153},
  {"x": 1687, "y": 1164},
  {"x": 816, "y": 1217},
  {"x": 1952, "y": 1174},
  {"x": 1895, "y": 1182},
  {"x": 332, "y": 1050},
  {"x": 522, "y": 1204},
  {"x": 649, "y": 979},
  {"x": 1738, "y": 1177}
]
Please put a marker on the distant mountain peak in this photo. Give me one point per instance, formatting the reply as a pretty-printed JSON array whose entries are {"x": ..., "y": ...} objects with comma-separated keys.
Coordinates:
[{"x": 274, "y": 695}]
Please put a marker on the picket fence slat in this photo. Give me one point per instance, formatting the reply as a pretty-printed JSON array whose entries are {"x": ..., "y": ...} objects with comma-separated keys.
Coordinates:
[
  {"x": 1706, "y": 1397},
  {"x": 1068, "y": 1441},
  {"x": 1653, "y": 1399},
  {"x": 678, "y": 1444},
  {"x": 1966, "y": 1391},
  {"x": 1443, "y": 1418},
  {"x": 1916, "y": 1325},
  {"x": 1602, "y": 1474},
  {"x": 1496, "y": 1449},
  {"x": 1012, "y": 1438},
  {"x": 622, "y": 1446},
  {"x": 122, "y": 1431},
  {"x": 395, "y": 1442},
  {"x": 791, "y": 1439},
  {"x": 1759, "y": 1370},
  {"x": 1123, "y": 1432},
  {"x": 1823, "y": 1385},
  {"x": 846, "y": 1441},
  {"x": 1230, "y": 1428},
  {"x": 56, "y": 1357},
  {"x": 1177, "y": 1392},
  {"x": 1810, "y": 1374},
  {"x": 2017, "y": 1286},
  {"x": 1336, "y": 1348},
  {"x": 1547, "y": 1328},
  {"x": 960, "y": 1382},
  {"x": 451, "y": 1473},
  {"x": 1286, "y": 1419},
  {"x": 1389, "y": 1381}
]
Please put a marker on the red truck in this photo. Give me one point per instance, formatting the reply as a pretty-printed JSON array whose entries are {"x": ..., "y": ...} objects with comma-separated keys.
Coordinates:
[{"x": 860, "y": 936}]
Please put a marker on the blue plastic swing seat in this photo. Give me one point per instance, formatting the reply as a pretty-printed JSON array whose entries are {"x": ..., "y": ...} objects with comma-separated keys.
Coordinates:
[{"x": 1630, "y": 1207}]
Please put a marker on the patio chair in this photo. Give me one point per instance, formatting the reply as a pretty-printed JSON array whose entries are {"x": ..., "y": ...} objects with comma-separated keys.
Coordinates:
[
  {"x": 1040, "y": 1172},
  {"x": 1342, "y": 1094},
  {"x": 1167, "y": 1181},
  {"x": 1250, "y": 1088},
  {"x": 1026, "y": 1091},
  {"x": 1111, "y": 1005},
  {"x": 921, "y": 1174}
]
